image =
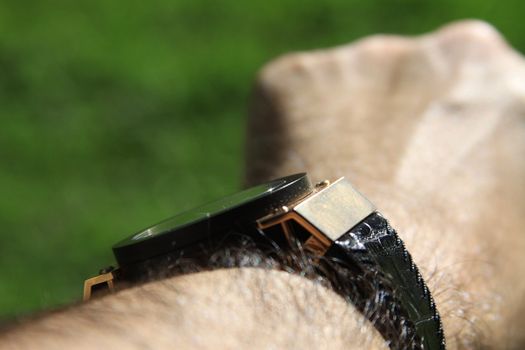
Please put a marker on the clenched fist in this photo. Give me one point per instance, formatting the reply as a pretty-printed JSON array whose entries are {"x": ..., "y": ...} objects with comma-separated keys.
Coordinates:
[{"x": 432, "y": 129}]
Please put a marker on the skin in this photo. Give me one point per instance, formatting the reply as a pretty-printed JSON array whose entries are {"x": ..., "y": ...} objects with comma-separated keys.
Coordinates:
[
  {"x": 230, "y": 309},
  {"x": 431, "y": 129}
]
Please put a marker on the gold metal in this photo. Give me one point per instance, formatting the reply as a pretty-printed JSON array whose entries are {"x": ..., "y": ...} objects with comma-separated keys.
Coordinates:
[
  {"x": 286, "y": 229},
  {"x": 335, "y": 209},
  {"x": 106, "y": 278},
  {"x": 314, "y": 245},
  {"x": 285, "y": 218},
  {"x": 326, "y": 214}
]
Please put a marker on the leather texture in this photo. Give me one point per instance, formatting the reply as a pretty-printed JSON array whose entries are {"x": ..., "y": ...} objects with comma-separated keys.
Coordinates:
[{"x": 374, "y": 245}]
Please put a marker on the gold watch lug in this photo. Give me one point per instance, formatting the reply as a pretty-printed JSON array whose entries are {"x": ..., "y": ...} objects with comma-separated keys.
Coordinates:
[
  {"x": 335, "y": 209},
  {"x": 104, "y": 278},
  {"x": 328, "y": 213}
]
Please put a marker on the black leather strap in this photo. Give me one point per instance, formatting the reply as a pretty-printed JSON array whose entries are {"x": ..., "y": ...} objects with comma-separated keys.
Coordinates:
[{"x": 374, "y": 245}]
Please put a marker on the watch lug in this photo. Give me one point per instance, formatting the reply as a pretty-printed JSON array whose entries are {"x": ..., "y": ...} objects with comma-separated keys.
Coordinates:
[
  {"x": 318, "y": 243},
  {"x": 316, "y": 246},
  {"x": 335, "y": 209},
  {"x": 273, "y": 218},
  {"x": 104, "y": 278}
]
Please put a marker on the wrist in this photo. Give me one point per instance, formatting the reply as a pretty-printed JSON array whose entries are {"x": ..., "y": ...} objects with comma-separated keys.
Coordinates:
[{"x": 237, "y": 308}]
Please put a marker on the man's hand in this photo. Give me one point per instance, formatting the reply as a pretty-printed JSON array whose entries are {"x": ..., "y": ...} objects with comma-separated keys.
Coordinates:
[{"x": 432, "y": 129}]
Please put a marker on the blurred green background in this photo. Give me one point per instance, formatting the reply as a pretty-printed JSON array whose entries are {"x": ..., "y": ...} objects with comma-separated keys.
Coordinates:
[{"x": 115, "y": 115}]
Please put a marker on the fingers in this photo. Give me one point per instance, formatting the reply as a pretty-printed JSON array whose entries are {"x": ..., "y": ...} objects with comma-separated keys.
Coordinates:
[
  {"x": 355, "y": 110},
  {"x": 432, "y": 129}
]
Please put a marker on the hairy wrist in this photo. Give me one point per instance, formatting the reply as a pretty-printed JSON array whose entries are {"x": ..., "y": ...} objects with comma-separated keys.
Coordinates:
[{"x": 236, "y": 308}]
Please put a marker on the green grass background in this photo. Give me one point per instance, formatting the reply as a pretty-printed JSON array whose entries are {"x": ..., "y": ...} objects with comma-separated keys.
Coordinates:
[{"x": 115, "y": 115}]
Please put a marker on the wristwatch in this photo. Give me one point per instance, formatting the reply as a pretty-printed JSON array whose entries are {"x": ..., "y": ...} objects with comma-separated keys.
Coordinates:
[{"x": 332, "y": 221}]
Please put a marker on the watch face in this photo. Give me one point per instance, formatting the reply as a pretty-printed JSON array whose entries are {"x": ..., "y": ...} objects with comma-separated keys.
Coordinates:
[
  {"x": 239, "y": 210},
  {"x": 206, "y": 211}
]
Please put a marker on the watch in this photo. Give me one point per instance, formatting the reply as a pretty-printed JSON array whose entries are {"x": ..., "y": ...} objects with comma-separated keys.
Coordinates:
[{"x": 332, "y": 221}]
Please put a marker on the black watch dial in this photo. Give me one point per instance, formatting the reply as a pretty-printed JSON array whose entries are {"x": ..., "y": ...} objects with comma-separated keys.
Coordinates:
[{"x": 235, "y": 211}]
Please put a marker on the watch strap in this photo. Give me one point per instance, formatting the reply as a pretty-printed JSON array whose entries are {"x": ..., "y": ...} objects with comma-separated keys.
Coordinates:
[{"x": 374, "y": 245}]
